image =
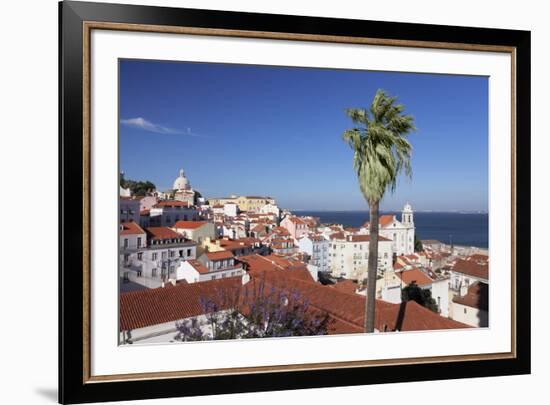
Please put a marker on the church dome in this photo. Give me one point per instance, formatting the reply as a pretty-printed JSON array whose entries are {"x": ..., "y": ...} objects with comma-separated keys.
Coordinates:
[
  {"x": 407, "y": 207},
  {"x": 181, "y": 182}
]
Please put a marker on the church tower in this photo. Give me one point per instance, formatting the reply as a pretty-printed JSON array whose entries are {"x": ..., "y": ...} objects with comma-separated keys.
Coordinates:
[{"x": 407, "y": 216}]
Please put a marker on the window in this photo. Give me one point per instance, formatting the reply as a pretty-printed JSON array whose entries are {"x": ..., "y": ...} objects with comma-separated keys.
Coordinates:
[
  {"x": 154, "y": 256},
  {"x": 126, "y": 258},
  {"x": 139, "y": 273},
  {"x": 163, "y": 255},
  {"x": 139, "y": 242},
  {"x": 153, "y": 272},
  {"x": 465, "y": 310},
  {"x": 140, "y": 256},
  {"x": 172, "y": 253},
  {"x": 125, "y": 243}
]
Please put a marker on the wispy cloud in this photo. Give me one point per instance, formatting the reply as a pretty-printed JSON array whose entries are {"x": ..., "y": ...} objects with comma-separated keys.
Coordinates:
[{"x": 149, "y": 126}]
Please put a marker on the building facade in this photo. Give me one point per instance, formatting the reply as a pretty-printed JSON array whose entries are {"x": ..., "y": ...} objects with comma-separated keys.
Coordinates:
[
  {"x": 317, "y": 247},
  {"x": 349, "y": 254},
  {"x": 401, "y": 232}
]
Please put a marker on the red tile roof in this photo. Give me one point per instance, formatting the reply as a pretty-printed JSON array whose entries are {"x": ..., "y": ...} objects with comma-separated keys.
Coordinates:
[
  {"x": 349, "y": 309},
  {"x": 472, "y": 268},
  {"x": 366, "y": 238},
  {"x": 234, "y": 244},
  {"x": 348, "y": 286},
  {"x": 476, "y": 297},
  {"x": 346, "y": 311},
  {"x": 161, "y": 233},
  {"x": 280, "y": 230},
  {"x": 221, "y": 255},
  {"x": 478, "y": 257},
  {"x": 384, "y": 221},
  {"x": 201, "y": 268},
  {"x": 189, "y": 224},
  {"x": 130, "y": 228},
  {"x": 337, "y": 235},
  {"x": 416, "y": 276},
  {"x": 143, "y": 308},
  {"x": 257, "y": 265},
  {"x": 171, "y": 203},
  {"x": 297, "y": 220}
]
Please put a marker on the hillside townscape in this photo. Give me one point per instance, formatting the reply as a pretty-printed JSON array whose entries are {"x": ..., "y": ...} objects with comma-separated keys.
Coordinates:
[{"x": 201, "y": 268}]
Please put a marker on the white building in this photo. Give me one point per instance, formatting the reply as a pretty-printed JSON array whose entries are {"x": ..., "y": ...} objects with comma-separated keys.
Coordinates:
[
  {"x": 129, "y": 209},
  {"x": 349, "y": 254},
  {"x": 193, "y": 271},
  {"x": 466, "y": 272},
  {"x": 198, "y": 231},
  {"x": 150, "y": 257},
  {"x": 316, "y": 246},
  {"x": 167, "y": 213},
  {"x": 400, "y": 232},
  {"x": 271, "y": 209},
  {"x": 472, "y": 308},
  {"x": 124, "y": 192},
  {"x": 210, "y": 266},
  {"x": 230, "y": 209},
  {"x": 182, "y": 189}
]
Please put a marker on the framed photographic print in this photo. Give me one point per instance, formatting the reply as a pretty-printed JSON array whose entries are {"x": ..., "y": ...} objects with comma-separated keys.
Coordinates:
[{"x": 255, "y": 202}]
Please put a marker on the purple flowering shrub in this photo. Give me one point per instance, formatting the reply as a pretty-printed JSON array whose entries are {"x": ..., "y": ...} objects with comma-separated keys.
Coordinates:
[{"x": 253, "y": 312}]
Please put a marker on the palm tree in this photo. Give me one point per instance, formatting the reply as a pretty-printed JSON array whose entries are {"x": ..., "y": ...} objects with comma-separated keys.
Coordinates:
[{"x": 380, "y": 152}]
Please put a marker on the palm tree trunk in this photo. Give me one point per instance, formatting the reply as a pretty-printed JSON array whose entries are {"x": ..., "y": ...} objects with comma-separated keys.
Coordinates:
[{"x": 373, "y": 266}]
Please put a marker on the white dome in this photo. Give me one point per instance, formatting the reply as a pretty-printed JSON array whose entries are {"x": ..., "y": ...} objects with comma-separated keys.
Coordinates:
[
  {"x": 407, "y": 207},
  {"x": 181, "y": 183}
]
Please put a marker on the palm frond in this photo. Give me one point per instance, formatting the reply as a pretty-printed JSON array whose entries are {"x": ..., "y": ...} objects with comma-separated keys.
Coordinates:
[{"x": 381, "y": 150}]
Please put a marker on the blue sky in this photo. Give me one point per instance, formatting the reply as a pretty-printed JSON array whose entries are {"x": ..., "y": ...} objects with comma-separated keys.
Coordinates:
[{"x": 259, "y": 130}]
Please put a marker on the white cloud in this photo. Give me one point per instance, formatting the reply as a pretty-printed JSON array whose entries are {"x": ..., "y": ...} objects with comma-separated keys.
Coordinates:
[{"x": 146, "y": 125}]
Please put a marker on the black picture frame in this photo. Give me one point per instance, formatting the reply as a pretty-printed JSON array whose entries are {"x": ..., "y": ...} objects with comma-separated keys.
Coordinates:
[{"x": 72, "y": 385}]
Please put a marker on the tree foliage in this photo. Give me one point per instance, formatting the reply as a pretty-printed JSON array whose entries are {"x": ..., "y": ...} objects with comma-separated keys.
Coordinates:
[
  {"x": 413, "y": 292},
  {"x": 418, "y": 247},
  {"x": 137, "y": 187},
  {"x": 380, "y": 148},
  {"x": 254, "y": 312}
]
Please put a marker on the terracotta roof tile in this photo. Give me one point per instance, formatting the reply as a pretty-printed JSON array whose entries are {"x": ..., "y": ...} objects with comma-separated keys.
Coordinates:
[
  {"x": 171, "y": 203},
  {"x": 189, "y": 224},
  {"x": 346, "y": 311},
  {"x": 130, "y": 228},
  {"x": 472, "y": 268},
  {"x": 476, "y": 297},
  {"x": 414, "y": 275},
  {"x": 221, "y": 255},
  {"x": 161, "y": 233},
  {"x": 154, "y": 306}
]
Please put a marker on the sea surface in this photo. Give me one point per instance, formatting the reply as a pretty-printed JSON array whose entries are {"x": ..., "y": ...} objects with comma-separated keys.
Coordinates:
[{"x": 466, "y": 229}]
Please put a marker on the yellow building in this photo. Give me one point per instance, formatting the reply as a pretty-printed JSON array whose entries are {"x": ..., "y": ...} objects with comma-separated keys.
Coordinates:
[{"x": 245, "y": 203}]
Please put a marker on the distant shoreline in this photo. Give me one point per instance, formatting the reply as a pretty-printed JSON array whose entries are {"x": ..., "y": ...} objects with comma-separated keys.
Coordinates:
[{"x": 395, "y": 211}]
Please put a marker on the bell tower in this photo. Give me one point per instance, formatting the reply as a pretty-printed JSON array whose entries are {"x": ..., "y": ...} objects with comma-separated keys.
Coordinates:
[{"x": 407, "y": 216}]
